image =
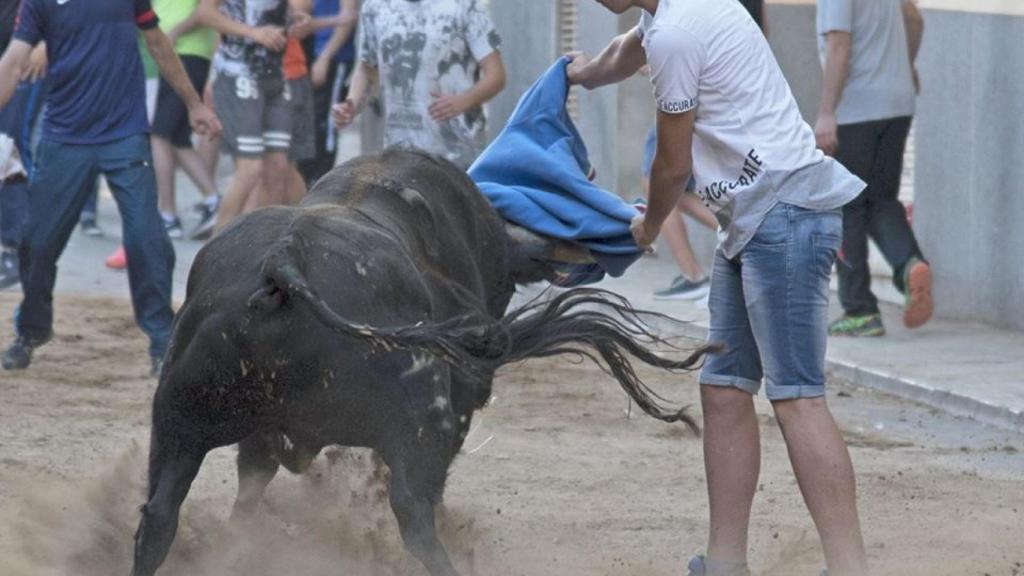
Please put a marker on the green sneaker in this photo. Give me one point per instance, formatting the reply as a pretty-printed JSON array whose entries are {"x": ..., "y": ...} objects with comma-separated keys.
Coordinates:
[{"x": 858, "y": 326}]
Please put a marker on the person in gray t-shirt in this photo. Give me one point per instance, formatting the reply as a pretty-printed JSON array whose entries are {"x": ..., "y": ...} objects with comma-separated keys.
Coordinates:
[{"x": 868, "y": 48}]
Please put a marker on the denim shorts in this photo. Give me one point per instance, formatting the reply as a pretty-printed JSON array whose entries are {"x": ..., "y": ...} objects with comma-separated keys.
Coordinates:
[{"x": 769, "y": 306}]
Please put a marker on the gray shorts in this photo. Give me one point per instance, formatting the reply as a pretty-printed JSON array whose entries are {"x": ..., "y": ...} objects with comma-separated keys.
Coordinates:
[
  {"x": 300, "y": 96},
  {"x": 255, "y": 113}
]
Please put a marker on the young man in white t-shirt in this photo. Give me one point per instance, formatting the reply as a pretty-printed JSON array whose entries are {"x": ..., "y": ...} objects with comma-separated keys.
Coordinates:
[{"x": 726, "y": 114}]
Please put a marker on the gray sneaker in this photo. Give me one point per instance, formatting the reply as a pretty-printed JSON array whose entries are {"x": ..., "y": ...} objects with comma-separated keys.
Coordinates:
[
  {"x": 684, "y": 289},
  {"x": 698, "y": 567}
]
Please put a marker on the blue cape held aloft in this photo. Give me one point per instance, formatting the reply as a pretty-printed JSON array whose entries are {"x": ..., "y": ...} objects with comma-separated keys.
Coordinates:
[{"x": 535, "y": 175}]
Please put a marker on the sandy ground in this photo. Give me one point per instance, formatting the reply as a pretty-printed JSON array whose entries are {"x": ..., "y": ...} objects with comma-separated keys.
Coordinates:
[{"x": 559, "y": 481}]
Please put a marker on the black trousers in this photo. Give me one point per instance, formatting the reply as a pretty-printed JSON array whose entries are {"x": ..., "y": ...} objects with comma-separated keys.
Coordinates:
[{"x": 873, "y": 151}]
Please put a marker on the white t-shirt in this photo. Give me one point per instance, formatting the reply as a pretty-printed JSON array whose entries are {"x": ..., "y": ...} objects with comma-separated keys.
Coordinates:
[
  {"x": 421, "y": 48},
  {"x": 751, "y": 147}
]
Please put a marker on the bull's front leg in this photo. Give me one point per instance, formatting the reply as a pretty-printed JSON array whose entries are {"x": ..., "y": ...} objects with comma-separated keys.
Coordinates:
[
  {"x": 171, "y": 476},
  {"x": 257, "y": 466}
]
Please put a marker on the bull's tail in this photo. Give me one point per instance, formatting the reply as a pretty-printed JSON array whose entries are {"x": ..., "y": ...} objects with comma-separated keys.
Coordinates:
[{"x": 592, "y": 323}]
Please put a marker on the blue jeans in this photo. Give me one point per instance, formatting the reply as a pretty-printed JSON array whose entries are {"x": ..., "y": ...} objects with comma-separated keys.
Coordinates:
[
  {"x": 64, "y": 177},
  {"x": 16, "y": 120},
  {"x": 769, "y": 306}
]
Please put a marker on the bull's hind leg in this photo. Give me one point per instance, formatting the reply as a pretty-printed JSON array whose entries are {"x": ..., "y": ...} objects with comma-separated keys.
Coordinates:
[
  {"x": 417, "y": 482},
  {"x": 257, "y": 465},
  {"x": 171, "y": 474}
]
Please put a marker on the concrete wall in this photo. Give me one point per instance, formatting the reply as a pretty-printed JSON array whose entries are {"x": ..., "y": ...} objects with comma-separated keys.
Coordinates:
[
  {"x": 969, "y": 161},
  {"x": 969, "y": 190}
]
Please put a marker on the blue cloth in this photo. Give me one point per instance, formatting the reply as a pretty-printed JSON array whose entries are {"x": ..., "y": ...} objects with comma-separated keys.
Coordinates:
[
  {"x": 535, "y": 175},
  {"x": 325, "y": 8},
  {"x": 96, "y": 86}
]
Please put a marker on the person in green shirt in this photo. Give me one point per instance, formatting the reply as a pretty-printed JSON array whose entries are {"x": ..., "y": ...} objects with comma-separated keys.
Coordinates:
[{"x": 171, "y": 136}]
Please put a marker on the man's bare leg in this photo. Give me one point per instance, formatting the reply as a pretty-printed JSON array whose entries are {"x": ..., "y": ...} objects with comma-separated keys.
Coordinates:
[
  {"x": 691, "y": 205},
  {"x": 164, "y": 166},
  {"x": 275, "y": 179},
  {"x": 192, "y": 163},
  {"x": 674, "y": 231},
  {"x": 824, "y": 472},
  {"x": 248, "y": 172},
  {"x": 732, "y": 463}
]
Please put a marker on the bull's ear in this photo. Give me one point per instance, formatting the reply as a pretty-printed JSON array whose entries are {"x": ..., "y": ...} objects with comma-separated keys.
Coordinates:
[{"x": 534, "y": 257}]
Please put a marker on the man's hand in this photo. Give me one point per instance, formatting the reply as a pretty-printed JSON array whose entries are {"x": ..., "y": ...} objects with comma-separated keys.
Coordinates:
[
  {"x": 577, "y": 69},
  {"x": 270, "y": 37},
  {"x": 301, "y": 25},
  {"x": 35, "y": 69},
  {"x": 643, "y": 237},
  {"x": 344, "y": 113},
  {"x": 826, "y": 133},
  {"x": 203, "y": 121},
  {"x": 318, "y": 72},
  {"x": 445, "y": 107}
]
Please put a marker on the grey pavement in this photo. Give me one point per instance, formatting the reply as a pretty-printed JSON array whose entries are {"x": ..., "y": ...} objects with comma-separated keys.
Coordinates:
[{"x": 966, "y": 369}]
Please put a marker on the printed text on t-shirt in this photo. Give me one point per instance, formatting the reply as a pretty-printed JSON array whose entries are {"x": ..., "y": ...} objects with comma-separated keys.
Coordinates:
[{"x": 750, "y": 171}]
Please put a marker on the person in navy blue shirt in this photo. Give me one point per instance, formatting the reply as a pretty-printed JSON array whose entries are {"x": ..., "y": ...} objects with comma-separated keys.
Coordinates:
[{"x": 96, "y": 124}]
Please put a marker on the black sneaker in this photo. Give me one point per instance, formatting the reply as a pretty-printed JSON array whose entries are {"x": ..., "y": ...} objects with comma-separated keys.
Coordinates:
[
  {"x": 683, "y": 289},
  {"x": 89, "y": 226},
  {"x": 8, "y": 269},
  {"x": 173, "y": 227},
  {"x": 18, "y": 355},
  {"x": 207, "y": 221},
  {"x": 698, "y": 567}
]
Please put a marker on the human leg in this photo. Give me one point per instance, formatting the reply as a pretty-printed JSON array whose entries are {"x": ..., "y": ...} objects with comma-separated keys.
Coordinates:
[
  {"x": 244, "y": 186},
  {"x": 889, "y": 228},
  {"x": 164, "y": 164},
  {"x": 126, "y": 165},
  {"x": 786, "y": 273},
  {"x": 858, "y": 144},
  {"x": 691, "y": 205},
  {"x": 57, "y": 192},
  {"x": 732, "y": 454},
  {"x": 240, "y": 108}
]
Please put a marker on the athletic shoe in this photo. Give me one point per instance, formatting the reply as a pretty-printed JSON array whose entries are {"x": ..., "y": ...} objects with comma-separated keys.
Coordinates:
[
  {"x": 8, "y": 269},
  {"x": 858, "y": 326},
  {"x": 118, "y": 260},
  {"x": 698, "y": 567},
  {"x": 917, "y": 285},
  {"x": 684, "y": 289},
  {"x": 18, "y": 355},
  {"x": 90, "y": 228},
  {"x": 156, "y": 367},
  {"x": 173, "y": 228},
  {"x": 207, "y": 221}
]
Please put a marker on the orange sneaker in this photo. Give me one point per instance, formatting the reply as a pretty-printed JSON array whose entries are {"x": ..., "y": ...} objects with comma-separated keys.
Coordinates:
[
  {"x": 118, "y": 260},
  {"x": 917, "y": 284}
]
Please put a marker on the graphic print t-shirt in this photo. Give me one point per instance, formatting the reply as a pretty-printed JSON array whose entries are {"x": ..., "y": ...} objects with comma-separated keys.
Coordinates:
[
  {"x": 751, "y": 147},
  {"x": 239, "y": 56},
  {"x": 424, "y": 48}
]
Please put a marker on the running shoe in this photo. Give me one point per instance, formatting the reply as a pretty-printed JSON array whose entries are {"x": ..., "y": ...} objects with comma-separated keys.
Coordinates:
[
  {"x": 869, "y": 325},
  {"x": 918, "y": 304},
  {"x": 18, "y": 355},
  {"x": 118, "y": 260},
  {"x": 90, "y": 227},
  {"x": 173, "y": 227},
  {"x": 683, "y": 288},
  {"x": 207, "y": 221}
]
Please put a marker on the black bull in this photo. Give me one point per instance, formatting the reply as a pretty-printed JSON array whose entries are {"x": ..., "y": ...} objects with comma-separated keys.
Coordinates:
[{"x": 372, "y": 315}]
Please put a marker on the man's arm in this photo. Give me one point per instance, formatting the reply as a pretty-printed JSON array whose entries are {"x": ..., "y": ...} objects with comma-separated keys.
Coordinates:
[
  {"x": 12, "y": 65},
  {"x": 271, "y": 37},
  {"x": 345, "y": 26},
  {"x": 345, "y": 113},
  {"x": 622, "y": 58},
  {"x": 914, "y": 23},
  {"x": 670, "y": 171},
  {"x": 837, "y": 68},
  {"x": 492, "y": 81},
  {"x": 160, "y": 48}
]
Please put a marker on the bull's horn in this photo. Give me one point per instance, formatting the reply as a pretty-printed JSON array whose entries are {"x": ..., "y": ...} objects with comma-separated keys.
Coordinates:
[{"x": 544, "y": 248}]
